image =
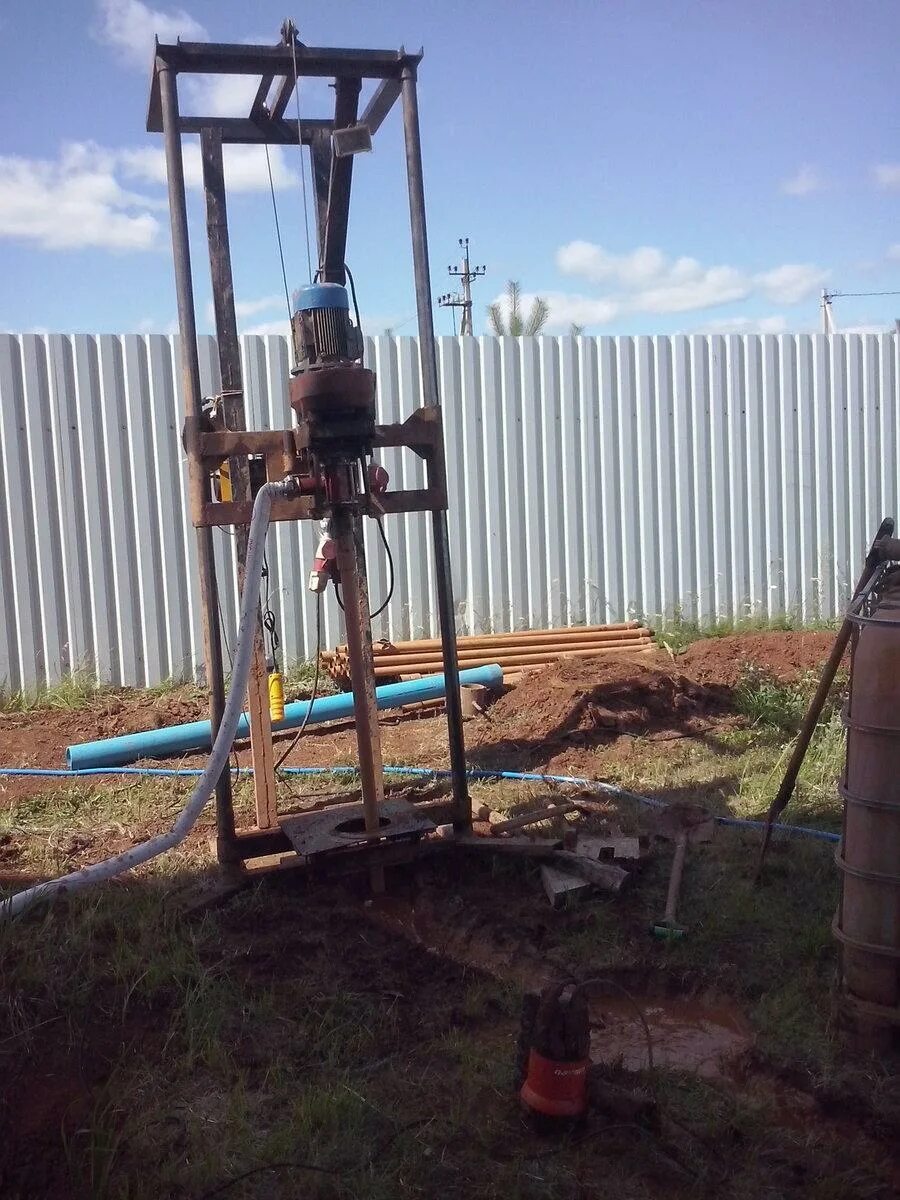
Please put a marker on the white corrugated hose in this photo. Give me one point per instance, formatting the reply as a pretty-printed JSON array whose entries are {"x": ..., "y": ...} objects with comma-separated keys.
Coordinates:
[{"x": 218, "y": 759}]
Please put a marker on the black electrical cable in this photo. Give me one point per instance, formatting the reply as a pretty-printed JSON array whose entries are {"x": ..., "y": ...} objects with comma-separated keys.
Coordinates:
[
  {"x": 268, "y": 617},
  {"x": 355, "y": 303},
  {"x": 391, "y": 576},
  {"x": 315, "y": 686},
  {"x": 349, "y": 275}
]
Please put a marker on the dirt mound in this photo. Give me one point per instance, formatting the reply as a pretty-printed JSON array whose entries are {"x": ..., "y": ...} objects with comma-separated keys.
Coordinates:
[
  {"x": 786, "y": 656},
  {"x": 578, "y": 699}
]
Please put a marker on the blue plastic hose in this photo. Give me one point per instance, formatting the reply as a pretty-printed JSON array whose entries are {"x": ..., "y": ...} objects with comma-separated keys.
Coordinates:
[{"x": 423, "y": 773}]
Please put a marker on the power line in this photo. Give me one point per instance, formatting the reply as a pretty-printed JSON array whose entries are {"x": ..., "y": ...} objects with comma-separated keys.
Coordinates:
[{"x": 832, "y": 295}]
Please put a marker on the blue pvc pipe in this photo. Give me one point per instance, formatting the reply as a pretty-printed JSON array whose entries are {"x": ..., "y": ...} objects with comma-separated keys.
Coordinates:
[
  {"x": 197, "y": 735},
  {"x": 822, "y": 835}
]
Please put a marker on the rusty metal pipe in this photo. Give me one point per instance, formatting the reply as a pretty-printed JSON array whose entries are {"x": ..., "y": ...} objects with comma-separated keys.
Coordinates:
[
  {"x": 352, "y": 568},
  {"x": 525, "y": 635},
  {"x": 198, "y": 481},
  {"x": 807, "y": 729},
  {"x": 868, "y": 919}
]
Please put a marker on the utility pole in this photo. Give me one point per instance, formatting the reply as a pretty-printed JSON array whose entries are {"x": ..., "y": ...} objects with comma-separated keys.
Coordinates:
[
  {"x": 827, "y": 314},
  {"x": 465, "y": 273}
]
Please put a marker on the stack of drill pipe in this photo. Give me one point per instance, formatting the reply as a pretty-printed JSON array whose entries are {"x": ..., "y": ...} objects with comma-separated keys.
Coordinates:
[{"x": 515, "y": 652}]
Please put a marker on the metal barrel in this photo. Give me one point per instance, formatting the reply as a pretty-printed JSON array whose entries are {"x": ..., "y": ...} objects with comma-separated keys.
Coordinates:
[{"x": 868, "y": 919}]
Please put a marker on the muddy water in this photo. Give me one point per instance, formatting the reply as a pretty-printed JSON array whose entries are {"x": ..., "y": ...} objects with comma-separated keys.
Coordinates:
[{"x": 705, "y": 1037}]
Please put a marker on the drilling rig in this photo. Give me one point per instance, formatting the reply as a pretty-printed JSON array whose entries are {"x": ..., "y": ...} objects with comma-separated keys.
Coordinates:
[{"x": 324, "y": 467}]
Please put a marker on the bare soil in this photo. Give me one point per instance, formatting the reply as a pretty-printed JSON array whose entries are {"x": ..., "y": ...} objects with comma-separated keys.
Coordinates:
[
  {"x": 573, "y": 715},
  {"x": 784, "y": 655},
  {"x": 414, "y": 997}
]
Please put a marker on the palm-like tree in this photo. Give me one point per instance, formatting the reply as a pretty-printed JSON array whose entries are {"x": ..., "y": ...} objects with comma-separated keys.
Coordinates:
[{"x": 516, "y": 325}]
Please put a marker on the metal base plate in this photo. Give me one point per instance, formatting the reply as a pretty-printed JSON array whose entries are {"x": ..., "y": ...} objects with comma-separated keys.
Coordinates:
[{"x": 341, "y": 827}]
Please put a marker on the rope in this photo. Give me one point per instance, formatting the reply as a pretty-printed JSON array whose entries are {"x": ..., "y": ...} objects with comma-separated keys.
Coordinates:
[{"x": 287, "y": 293}]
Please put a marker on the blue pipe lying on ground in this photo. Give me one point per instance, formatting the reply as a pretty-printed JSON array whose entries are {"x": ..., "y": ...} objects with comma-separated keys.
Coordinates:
[{"x": 197, "y": 735}]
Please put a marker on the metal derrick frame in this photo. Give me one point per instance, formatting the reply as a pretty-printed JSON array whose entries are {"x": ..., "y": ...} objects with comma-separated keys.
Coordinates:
[{"x": 209, "y": 445}]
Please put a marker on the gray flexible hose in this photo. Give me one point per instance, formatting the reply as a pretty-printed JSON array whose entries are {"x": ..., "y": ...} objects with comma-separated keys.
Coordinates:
[{"x": 218, "y": 759}]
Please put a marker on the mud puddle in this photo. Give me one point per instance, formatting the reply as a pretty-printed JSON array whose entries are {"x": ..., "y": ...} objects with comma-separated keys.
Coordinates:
[{"x": 705, "y": 1037}]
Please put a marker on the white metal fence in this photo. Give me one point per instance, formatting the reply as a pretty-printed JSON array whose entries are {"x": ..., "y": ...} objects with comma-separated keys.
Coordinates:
[{"x": 591, "y": 479}]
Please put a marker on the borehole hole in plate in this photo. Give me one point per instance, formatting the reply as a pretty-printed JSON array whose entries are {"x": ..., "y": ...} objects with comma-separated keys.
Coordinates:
[{"x": 358, "y": 825}]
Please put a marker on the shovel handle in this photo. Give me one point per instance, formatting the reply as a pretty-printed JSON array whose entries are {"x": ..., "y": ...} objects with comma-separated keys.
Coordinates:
[{"x": 675, "y": 877}]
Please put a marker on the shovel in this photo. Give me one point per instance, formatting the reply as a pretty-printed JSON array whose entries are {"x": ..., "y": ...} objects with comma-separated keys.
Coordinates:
[{"x": 680, "y": 823}]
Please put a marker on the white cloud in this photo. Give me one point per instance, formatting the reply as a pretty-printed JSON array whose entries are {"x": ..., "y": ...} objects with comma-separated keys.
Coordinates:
[
  {"x": 92, "y": 195},
  {"x": 894, "y": 252},
  {"x": 652, "y": 282},
  {"x": 249, "y": 308},
  {"x": 803, "y": 182},
  {"x": 73, "y": 202},
  {"x": 266, "y": 327},
  {"x": 220, "y": 95},
  {"x": 646, "y": 280},
  {"x": 887, "y": 175},
  {"x": 130, "y": 27},
  {"x": 565, "y": 308},
  {"x": 773, "y": 324},
  {"x": 245, "y": 166},
  {"x": 791, "y": 283}
]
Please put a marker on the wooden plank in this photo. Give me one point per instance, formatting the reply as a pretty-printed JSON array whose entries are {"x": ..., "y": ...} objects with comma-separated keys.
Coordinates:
[
  {"x": 602, "y": 875},
  {"x": 532, "y": 818},
  {"x": 561, "y": 887},
  {"x": 625, "y": 848},
  {"x": 515, "y": 847}
]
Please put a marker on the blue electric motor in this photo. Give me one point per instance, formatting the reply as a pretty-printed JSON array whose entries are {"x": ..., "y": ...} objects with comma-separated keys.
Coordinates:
[{"x": 322, "y": 328}]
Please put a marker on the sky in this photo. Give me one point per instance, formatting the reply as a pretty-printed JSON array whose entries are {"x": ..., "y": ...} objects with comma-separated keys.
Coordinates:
[{"x": 647, "y": 166}]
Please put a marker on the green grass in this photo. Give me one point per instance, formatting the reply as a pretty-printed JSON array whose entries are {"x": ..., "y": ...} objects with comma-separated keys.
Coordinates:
[
  {"x": 283, "y": 1045},
  {"x": 298, "y": 682},
  {"x": 73, "y": 691},
  {"x": 677, "y": 632}
]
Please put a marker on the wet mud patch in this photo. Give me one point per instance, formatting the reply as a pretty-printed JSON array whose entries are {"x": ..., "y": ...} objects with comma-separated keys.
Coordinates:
[{"x": 704, "y": 1035}]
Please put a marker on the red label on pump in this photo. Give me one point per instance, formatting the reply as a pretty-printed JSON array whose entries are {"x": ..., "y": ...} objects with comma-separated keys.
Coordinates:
[{"x": 558, "y": 1089}]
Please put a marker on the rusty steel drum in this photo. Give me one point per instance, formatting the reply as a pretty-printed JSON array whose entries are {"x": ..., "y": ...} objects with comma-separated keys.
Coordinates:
[{"x": 867, "y": 923}]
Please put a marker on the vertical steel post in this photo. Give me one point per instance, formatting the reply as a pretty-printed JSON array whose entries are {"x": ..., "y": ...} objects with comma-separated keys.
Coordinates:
[
  {"x": 462, "y": 812},
  {"x": 351, "y": 561},
  {"x": 198, "y": 484},
  {"x": 239, "y": 471}
]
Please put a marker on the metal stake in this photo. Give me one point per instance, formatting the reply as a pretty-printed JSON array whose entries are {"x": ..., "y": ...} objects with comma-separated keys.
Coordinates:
[
  {"x": 354, "y": 586},
  {"x": 462, "y": 812}
]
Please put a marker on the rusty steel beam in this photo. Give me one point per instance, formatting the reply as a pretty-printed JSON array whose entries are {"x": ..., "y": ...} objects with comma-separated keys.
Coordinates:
[
  {"x": 198, "y": 480},
  {"x": 233, "y": 405},
  {"x": 283, "y": 95},
  {"x": 320, "y": 154},
  {"x": 337, "y": 213},
  {"x": 383, "y": 100},
  {"x": 351, "y": 564},
  {"x": 229, "y": 58},
  {"x": 245, "y": 131},
  {"x": 258, "y": 110},
  {"x": 439, "y": 530}
]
